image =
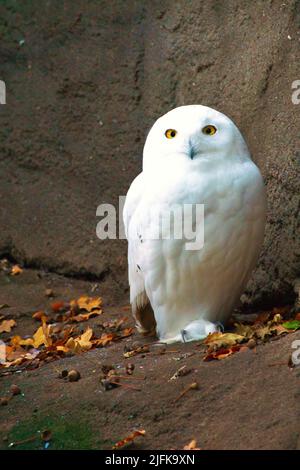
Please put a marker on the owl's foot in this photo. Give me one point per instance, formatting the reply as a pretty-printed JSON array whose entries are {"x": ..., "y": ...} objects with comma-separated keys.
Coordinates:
[{"x": 194, "y": 331}]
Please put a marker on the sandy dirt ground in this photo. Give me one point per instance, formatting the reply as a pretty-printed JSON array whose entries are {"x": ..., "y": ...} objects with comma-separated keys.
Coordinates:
[{"x": 249, "y": 400}]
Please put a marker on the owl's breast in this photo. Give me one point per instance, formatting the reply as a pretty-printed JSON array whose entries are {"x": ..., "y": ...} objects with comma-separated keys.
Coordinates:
[{"x": 212, "y": 276}]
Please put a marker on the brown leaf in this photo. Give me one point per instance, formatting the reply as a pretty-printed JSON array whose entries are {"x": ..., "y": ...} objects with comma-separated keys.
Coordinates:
[
  {"x": 181, "y": 372},
  {"x": 105, "y": 339},
  {"x": 126, "y": 332},
  {"x": 86, "y": 316},
  {"x": 3, "y": 306},
  {"x": 40, "y": 316},
  {"x": 219, "y": 340},
  {"x": 262, "y": 317},
  {"x": 139, "y": 350},
  {"x": 58, "y": 306},
  {"x": 7, "y": 325},
  {"x": 221, "y": 353},
  {"x": 129, "y": 439},
  {"x": 244, "y": 330}
]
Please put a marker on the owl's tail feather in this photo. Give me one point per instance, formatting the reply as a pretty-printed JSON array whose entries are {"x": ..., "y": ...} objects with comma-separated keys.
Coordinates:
[{"x": 144, "y": 318}]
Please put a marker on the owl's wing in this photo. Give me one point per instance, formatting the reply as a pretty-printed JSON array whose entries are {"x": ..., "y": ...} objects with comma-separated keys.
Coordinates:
[{"x": 141, "y": 308}]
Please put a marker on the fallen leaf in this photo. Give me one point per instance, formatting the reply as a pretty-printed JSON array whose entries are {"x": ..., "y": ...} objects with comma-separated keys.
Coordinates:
[
  {"x": 40, "y": 337},
  {"x": 4, "y": 306},
  {"x": 40, "y": 315},
  {"x": 244, "y": 330},
  {"x": 15, "y": 270},
  {"x": 82, "y": 343},
  {"x": 129, "y": 439},
  {"x": 192, "y": 446},
  {"x": 262, "y": 317},
  {"x": 181, "y": 372},
  {"x": 114, "y": 325},
  {"x": 292, "y": 325},
  {"x": 219, "y": 340},
  {"x": 270, "y": 330},
  {"x": 126, "y": 332},
  {"x": 139, "y": 350},
  {"x": 86, "y": 316},
  {"x": 87, "y": 303},
  {"x": 282, "y": 311},
  {"x": 126, "y": 308},
  {"x": 279, "y": 329},
  {"x": 276, "y": 319},
  {"x": 105, "y": 339},
  {"x": 7, "y": 325},
  {"x": 221, "y": 353},
  {"x": 18, "y": 341},
  {"x": 58, "y": 306}
]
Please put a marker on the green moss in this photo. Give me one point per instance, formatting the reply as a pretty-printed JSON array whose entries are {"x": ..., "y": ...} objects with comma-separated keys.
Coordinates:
[{"x": 67, "y": 433}]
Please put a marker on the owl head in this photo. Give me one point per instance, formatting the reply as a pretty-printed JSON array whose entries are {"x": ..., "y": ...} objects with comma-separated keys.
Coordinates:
[{"x": 194, "y": 133}]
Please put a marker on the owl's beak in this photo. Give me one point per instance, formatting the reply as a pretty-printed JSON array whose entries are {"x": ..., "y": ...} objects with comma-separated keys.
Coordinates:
[{"x": 192, "y": 152}]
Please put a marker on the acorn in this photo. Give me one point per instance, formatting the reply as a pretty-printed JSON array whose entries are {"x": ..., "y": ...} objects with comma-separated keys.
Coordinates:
[
  {"x": 107, "y": 385},
  {"x": 106, "y": 368},
  {"x": 46, "y": 435},
  {"x": 194, "y": 386},
  {"x": 112, "y": 375},
  {"x": 63, "y": 374},
  {"x": 129, "y": 368},
  {"x": 251, "y": 343},
  {"x": 4, "y": 401},
  {"x": 73, "y": 375},
  {"x": 15, "y": 390}
]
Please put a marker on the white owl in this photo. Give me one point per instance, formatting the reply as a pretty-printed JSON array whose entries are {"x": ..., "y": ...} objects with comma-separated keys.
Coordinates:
[{"x": 192, "y": 155}]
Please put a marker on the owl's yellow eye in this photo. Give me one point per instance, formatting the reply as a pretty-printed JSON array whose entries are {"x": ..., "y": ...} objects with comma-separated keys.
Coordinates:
[
  {"x": 170, "y": 133},
  {"x": 209, "y": 130}
]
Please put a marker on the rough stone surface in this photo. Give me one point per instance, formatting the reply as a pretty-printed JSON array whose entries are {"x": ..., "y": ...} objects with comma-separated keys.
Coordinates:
[{"x": 85, "y": 81}]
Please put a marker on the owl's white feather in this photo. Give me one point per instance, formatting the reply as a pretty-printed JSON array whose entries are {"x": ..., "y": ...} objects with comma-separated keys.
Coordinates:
[{"x": 189, "y": 291}]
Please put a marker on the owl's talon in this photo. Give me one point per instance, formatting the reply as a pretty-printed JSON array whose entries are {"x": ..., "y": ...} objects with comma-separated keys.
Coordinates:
[
  {"x": 183, "y": 333},
  {"x": 220, "y": 327}
]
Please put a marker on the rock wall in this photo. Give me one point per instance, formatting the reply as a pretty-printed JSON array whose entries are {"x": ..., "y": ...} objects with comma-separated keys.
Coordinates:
[{"x": 85, "y": 81}]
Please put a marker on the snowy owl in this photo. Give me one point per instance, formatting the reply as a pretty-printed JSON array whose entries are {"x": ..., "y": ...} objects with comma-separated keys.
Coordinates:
[{"x": 193, "y": 155}]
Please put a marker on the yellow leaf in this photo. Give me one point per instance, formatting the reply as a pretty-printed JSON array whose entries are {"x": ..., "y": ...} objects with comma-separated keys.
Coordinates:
[
  {"x": 18, "y": 341},
  {"x": 81, "y": 343},
  {"x": 88, "y": 303},
  {"x": 15, "y": 270},
  {"x": 276, "y": 319},
  {"x": 41, "y": 336},
  {"x": 62, "y": 348},
  {"x": 84, "y": 339},
  {"x": 7, "y": 325},
  {"x": 192, "y": 446}
]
